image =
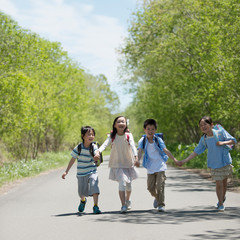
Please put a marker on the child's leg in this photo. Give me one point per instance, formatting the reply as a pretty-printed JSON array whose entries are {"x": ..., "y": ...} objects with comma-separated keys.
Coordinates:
[
  {"x": 122, "y": 197},
  {"x": 122, "y": 192},
  {"x": 151, "y": 184},
  {"x": 83, "y": 198},
  {"x": 128, "y": 191},
  {"x": 220, "y": 191},
  {"x": 225, "y": 182},
  {"x": 221, "y": 188},
  {"x": 160, "y": 182},
  {"x": 95, "y": 198}
]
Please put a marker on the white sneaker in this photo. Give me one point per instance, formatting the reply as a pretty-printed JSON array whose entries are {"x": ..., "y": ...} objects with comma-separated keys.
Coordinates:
[
  {"x": 124, "y": 209},
  {"x": 129, "y": 204},
  {"x": 161, "y": 209}
]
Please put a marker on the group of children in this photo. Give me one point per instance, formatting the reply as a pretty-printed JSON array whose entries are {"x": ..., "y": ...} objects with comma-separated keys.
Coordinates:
[{"x": 124, "y": 159}]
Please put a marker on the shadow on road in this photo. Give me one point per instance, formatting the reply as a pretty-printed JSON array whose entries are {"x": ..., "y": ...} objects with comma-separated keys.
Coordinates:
[
  {"x": 230, "y": 234},
  {"x": 182, "y": 182},
  {"x": 194, "y": 214}
]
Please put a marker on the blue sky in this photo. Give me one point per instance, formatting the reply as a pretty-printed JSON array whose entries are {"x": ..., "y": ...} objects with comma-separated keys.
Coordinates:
[{"x": 89, "y": 30}]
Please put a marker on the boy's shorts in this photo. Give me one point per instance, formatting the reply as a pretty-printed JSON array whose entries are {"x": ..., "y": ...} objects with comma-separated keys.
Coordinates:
[
  {"x": 88, "y": 185},
  {"x": 221, "y": 173}
]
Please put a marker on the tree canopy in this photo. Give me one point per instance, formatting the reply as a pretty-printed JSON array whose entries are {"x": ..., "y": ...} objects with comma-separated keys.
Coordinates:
[
  {"x": 183, "y": 59},
  {"x": 45, "y": 97}
]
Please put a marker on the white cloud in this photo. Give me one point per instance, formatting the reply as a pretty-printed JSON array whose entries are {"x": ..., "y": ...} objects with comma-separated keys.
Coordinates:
[
  {"x": 89, "y": 38},
  {"x": 8, "y": 7}
]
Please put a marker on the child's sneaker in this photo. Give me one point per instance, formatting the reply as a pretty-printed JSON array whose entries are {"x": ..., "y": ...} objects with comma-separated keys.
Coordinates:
[
  {"x": 155, "y": 203},
  {"x": 161, "y": 209},
  {"x": 221, "y": 208},
  {"x": 129, "y": 204},
  {"x": 81, "y": 206},
  {"x": 124, "y": 209},
  {"x": 217, "y": 205},
  {"x": 96, "y": 210}
]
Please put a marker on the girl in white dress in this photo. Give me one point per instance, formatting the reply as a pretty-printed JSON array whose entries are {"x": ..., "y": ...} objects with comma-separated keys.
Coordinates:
[{"x": 123, "y": 159}]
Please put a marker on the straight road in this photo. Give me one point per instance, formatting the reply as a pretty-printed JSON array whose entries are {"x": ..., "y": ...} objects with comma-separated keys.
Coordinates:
[{"x": 45, "y": 207}]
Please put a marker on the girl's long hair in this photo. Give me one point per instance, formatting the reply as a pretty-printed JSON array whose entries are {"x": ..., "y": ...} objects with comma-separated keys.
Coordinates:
[{"x": 114, "y": 130}]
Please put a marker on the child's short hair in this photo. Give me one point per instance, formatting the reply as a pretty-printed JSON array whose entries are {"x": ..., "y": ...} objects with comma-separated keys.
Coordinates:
[
  {"x": 86, "y": 129},
  {"x": 206, "y": 119},
  {"x": 150, "y": 121}
]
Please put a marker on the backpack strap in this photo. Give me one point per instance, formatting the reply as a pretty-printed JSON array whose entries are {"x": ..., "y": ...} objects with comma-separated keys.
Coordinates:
[
  {"x": 204, "y": 140},
  {"x": 127, "y": 136},
  {"x": 215, "y": 134},
  {"x": 156, "y": 136},
  {"x": 91, "y": 150},
  {"x": 79, "y": 148},
  {"x": 144, "y": 140}
]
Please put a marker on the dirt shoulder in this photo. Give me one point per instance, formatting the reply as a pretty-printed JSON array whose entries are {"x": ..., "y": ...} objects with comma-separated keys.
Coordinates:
[{"x": 233, "y": 184}]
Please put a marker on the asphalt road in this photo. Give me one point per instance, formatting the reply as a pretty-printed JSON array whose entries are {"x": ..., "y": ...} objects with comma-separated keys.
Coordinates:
[{"x": 45, "y": 207}]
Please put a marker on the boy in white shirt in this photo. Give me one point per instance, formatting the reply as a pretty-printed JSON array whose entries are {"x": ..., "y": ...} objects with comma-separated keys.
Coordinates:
[{"x": 155, "y": 158}]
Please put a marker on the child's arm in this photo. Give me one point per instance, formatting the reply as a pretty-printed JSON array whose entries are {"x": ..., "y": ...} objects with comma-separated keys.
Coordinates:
[
  {"x": 229, "y": 142},
  {"x": 138, "y": 157},
  {"x": 169, "y": 154},
  {"x": 105, "y": 144},
  {"x": 71, "y": 162},
  {"x": 191, "y": 156},
  {"x": 102, "y": 148}
]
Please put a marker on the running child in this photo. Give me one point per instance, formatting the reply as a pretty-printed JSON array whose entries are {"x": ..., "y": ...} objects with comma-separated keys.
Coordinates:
[
  {"x": 122, "y": 160},
  {"x": 86, "y": 169},
  {"x": 155, "y": 157},
  {"x": 218, "y": 158}
]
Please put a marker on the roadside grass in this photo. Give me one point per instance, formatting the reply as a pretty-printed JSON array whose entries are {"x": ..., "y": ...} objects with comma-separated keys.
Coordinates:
[
  {"x": 12, "y": 171},
  {"x": 181, "y": 151}
]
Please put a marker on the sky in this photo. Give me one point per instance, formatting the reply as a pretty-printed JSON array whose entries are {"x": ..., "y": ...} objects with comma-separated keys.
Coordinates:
[{"x": 89, "y": 30}]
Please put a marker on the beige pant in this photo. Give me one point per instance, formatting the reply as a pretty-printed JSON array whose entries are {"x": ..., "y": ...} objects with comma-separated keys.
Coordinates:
[{"x": 156, "y": 185}]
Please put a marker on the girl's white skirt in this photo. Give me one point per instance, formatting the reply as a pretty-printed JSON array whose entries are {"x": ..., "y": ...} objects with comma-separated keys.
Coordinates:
[{"x": 123, "y": 174}]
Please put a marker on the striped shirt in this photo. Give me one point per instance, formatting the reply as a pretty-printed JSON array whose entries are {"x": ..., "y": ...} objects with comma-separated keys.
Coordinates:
[{"x": 85, "y": 162}]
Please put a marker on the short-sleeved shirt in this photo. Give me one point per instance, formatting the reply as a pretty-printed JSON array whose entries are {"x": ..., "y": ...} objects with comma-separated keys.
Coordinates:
[
  {"x": 218, "y": 156},
  {"x": 85, "y": 162},
  {"x": 156, "y": 162},
  {"x": 162, "y": 155}
]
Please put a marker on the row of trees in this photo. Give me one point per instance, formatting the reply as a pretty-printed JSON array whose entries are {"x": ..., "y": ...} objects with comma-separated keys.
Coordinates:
[
  {"x": 183, "y": 59},
  {"x": 45, "y": 97}
]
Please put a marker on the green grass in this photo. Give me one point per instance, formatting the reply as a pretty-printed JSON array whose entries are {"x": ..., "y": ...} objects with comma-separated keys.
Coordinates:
[
  {"x": 12, "y": 171},
  {"x": 181, "y": 151}
]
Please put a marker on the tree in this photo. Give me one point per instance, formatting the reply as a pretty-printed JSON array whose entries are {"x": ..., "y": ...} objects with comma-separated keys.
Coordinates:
[{"x": 180, "y": 65}]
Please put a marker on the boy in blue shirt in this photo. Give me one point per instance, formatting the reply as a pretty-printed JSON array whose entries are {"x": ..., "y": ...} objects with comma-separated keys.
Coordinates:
[{"x": 155, "y": 158}]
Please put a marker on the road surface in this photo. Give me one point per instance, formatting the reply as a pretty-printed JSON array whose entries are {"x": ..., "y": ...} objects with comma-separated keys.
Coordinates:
[{"x": 45, "y": 207}]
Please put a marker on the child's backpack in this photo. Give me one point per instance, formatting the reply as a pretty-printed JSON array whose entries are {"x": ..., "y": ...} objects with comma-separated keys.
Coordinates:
[
  {"x": 91, "y": 150},
  {"x": 215, "y": 134},
  {"x": 156, "y": 139}
]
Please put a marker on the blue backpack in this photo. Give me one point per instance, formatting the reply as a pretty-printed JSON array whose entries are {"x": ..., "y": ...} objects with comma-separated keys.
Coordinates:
[
  {"x": 215, "y": 134},
  {"x": 156, "y": 139}
]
